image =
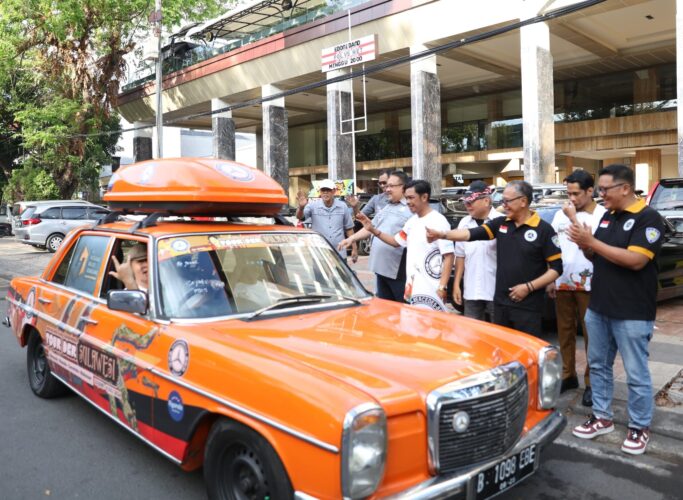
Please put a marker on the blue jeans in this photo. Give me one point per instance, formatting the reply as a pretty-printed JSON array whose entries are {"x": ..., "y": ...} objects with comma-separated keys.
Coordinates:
[{"x": 631, "y": 339}]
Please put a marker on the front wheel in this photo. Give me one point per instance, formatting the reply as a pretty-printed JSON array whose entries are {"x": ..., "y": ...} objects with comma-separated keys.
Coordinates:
[
  {"x": 239, "y": 464},
  {"x": 54, "y": 242},
  {"x": 40, "y": 378}
]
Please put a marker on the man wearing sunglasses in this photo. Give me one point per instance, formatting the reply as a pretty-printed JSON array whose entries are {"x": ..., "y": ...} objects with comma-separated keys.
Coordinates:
[
  {"x": 528, "y": 258},
  {"x": 378, "y": 201},
  {"x": 476, "y": 261},
  {"x": 386, "y": 261},
  {"x": 622, "y": 308}
]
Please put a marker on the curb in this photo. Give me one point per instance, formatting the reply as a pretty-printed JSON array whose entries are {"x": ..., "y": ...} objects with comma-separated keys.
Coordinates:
[{"x": 666, "y": 432}]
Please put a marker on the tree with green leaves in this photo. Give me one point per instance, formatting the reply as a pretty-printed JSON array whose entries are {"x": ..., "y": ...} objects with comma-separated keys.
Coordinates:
[{"x": 60, "y": 66}]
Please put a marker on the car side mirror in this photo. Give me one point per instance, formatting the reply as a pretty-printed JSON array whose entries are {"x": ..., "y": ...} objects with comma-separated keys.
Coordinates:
[{"x": 132, "y": 301}]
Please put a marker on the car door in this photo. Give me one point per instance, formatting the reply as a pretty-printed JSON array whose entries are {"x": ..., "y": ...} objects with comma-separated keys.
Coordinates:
[
  {"x": 72, "y": 217},
  {"x": 131, "y": 338},
  {"x": 98, "y": 348}
]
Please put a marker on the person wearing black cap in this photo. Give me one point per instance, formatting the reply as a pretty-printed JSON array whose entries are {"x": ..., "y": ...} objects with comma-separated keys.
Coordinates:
[
  {"x": 476, "y": 260},
  {"x": 528, "y": 258}
]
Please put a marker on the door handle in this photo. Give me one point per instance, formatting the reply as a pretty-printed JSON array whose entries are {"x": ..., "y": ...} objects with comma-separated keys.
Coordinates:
[
  {"x": 89, "y": 321},
  {"x": 44, "y": 301}
]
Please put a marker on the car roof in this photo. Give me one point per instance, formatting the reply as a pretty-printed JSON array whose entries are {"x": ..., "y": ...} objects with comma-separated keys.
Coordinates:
[{"x": 63, "y": 204}]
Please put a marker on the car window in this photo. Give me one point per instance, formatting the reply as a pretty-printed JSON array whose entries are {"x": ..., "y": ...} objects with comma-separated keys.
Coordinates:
[
  {"x": 74, "y": 213},
  {"x": 214, "y": 275},
  {"x": 28, "y": 212},
  {"x": 120, "y": 250},
  {"x": 86, "y": 262},
  {"x": 51, "y": 213},
  {"x": 60, "y": 274},
  {"x": 667, "y": 196},
  {"x": 97, "y": 213}
]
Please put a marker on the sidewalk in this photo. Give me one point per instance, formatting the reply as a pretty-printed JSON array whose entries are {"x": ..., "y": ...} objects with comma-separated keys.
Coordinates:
[{"x": 666, "y": 368}]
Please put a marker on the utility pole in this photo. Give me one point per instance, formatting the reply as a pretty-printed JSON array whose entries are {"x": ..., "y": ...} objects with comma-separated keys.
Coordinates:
[{"x": 156, "y": 18}]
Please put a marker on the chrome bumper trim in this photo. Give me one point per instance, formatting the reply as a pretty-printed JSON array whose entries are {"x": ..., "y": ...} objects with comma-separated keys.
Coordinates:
[{"x": 444, "y": 487}]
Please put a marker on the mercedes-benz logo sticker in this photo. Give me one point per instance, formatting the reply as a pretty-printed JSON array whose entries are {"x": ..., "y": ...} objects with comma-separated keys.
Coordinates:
[{"x": 460, "y": 422}]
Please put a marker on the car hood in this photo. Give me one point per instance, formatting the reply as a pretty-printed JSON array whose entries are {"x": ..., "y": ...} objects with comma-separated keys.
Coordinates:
[{"x": 395, "y": 353}]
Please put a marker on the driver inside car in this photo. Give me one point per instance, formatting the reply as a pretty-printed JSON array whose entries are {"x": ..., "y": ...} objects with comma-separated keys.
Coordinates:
[{"x": 132, "y": 272}]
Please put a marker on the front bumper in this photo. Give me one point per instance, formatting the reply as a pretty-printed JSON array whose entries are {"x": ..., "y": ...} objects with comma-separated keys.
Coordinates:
[{"x": 440, "y": 487}]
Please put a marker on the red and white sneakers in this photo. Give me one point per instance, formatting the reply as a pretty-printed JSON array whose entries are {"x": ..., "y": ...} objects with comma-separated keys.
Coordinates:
[
  {"x": 636, "y": 441},
  {"x": 593, "y": 427}
]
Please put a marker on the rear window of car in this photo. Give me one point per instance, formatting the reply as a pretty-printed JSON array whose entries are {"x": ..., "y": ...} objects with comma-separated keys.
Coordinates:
[
  {"x": 73, "y": 213},
  {"x": 28, "y": 212},
  {"x": 668, "y": 196}
]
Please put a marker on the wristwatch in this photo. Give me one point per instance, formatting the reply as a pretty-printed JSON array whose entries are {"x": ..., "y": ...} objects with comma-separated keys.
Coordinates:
[{"x": 442, "y": 288}]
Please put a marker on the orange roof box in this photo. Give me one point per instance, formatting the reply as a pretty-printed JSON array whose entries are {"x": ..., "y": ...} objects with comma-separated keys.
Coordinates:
[{"x": 194, "y": 186}]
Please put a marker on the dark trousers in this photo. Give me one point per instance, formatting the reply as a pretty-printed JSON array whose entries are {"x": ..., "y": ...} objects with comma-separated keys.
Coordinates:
[
  {"x": 520, "y": 319},
  {"x": 390, "y": 288}
]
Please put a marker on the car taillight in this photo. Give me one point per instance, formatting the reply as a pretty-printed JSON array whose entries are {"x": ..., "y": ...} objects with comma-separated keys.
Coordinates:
[{"x": 30, "y": 222}]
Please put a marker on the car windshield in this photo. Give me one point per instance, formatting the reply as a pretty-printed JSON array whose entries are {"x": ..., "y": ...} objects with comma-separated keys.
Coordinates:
[
  {"x": 668, "y": 196},
  {"x": 210, "y": 275}
]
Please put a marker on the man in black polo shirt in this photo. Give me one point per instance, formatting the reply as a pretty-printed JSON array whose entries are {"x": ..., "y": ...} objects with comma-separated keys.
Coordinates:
[
  {"x": 622, "y": 307},
  {"x": 528, "y": 258}
]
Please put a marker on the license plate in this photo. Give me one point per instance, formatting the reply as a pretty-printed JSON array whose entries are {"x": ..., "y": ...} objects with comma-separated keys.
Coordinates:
[{"x": 506, "y": 473}]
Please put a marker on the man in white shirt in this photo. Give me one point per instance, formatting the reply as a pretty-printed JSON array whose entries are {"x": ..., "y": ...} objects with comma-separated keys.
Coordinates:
[
  {"x": 476, "y": 260},
  {"x": 428, "y": 265},
  {"x": 572, "y": 289}
]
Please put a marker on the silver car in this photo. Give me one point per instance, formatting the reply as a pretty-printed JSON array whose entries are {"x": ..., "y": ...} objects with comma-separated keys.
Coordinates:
[{"x": 45, "y": 224}]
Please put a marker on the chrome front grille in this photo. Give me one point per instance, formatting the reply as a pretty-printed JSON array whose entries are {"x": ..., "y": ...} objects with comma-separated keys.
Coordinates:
[{"x": 493, "y": 404}]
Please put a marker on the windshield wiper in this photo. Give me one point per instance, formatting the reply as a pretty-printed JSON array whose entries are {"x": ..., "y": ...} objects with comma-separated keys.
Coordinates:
[{"x": 298, "y": 299}]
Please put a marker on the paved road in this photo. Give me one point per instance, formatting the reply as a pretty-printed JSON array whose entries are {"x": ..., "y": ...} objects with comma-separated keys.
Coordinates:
[{"x": 64, "y": 449}]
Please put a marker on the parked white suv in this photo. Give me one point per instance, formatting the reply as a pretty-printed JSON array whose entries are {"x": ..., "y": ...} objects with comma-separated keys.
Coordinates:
[{"x": 45, "y": 224}]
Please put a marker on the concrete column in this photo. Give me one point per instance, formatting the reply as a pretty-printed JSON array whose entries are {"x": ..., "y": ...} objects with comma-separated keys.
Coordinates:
[
  {"x": 340, "y": 161},
  {"x": 537, "y": 104},
  {"x": 223, "y": 127},
  {"x": 425, "y": 117},
  {"x": 142, "y": 142},
  {"x": 275, "y": 139},
  {"x": 259, "y": 148},
  {"x": 648, "y": 168},
  {"x": 679, "y": 81}
]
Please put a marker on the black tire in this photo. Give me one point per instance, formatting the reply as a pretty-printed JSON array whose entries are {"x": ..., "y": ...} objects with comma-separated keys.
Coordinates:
[
  {"x": 40, "y": 378},
  {"x": 53, "y": 242},
  {"x": 239, "y": 464}
]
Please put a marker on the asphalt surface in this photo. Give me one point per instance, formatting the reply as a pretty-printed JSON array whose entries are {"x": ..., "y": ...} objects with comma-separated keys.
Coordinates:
[{"x": 65, "y": 449}]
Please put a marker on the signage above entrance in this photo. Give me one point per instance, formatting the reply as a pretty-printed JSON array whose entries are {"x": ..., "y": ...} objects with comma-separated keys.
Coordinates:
[{"x": 349, "y": 53}]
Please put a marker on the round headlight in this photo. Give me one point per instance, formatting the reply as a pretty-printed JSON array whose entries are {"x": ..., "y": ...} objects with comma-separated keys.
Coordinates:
[
  {"x": 364, "y": 445},
  {"x": 549, "y": 377}
]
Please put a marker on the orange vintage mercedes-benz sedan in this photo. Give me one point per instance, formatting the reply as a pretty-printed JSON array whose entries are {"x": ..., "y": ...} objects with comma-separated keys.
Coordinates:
[{"x": 225, "y": 338}]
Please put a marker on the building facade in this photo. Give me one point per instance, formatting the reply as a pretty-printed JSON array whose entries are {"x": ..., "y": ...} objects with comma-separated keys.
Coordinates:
[{"x": 493, "y": 90}]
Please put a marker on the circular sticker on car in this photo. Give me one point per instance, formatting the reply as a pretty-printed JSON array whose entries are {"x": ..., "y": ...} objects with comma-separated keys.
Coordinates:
[
  {"x": 175, "y": 406},
  {"x": 180, "y": 245},
  {"x": 178, "y": 358},
  {"x": 30, "y": 304},
  {"x": 530, "y": 235},
  {"x": 235, "y": 172}
]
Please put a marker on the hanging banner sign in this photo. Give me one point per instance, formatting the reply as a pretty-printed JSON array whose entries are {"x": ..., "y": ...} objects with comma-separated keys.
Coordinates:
[{"x": 349, "y": 53}]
